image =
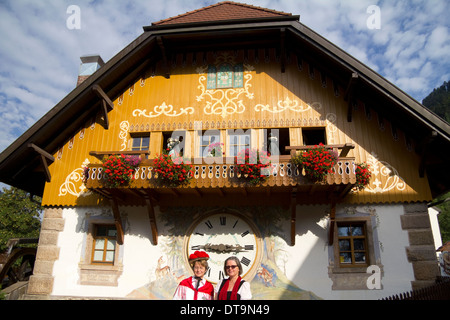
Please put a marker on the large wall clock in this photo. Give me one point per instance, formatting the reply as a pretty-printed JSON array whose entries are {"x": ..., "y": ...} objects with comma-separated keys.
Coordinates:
[{"x": 223, "y": 235}]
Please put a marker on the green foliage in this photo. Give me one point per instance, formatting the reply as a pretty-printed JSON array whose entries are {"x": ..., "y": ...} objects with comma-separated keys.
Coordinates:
[
  {"x": 444, "y": 217},
  {"x": 438, "y": 101},
  {"x": 19, "y": 216}
]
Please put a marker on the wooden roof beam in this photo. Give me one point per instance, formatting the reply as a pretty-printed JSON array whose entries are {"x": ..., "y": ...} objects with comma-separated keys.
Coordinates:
[
  {"x": 106, "y": 104},
  {"x": 349, "y": 95},
  {"x": 44, "y": 156},
  {"x": 283, "y": 49},
  {"x": 162, "y": 47},
  {"x": 424, "y": 151}
]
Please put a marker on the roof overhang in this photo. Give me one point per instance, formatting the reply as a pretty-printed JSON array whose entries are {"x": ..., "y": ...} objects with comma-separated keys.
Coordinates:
[{"x": 20, "y": 165}]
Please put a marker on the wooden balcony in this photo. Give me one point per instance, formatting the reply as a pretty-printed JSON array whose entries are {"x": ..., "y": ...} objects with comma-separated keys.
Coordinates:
[{"x": 213, "y": 182}]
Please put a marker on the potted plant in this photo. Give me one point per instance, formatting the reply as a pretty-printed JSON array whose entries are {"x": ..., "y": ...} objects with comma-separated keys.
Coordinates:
[
  {"x": 172, "y": 169},
  {"x": 252, "y": 164},
  {"x": 363, "y": 176},
  {"x": 215, "y": 149},
  {"x": 317, "y": 162},
  {"x": 118, "y": 170}
]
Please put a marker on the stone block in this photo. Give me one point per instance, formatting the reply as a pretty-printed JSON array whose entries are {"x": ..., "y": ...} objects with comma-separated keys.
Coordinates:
[
  {"x": 425, "y": 270},
  {"x": 421, "y": 253},
  {"x": 415, "y": 221},
  {"x": 47, "y": 253},
  {"x": 40, "y": 284},
  {"x": 55, "y": 224},
  {"x": 420, "y": 237},
  {"x": 42, "y": 267},
  {"x": 48, "y": 237}
]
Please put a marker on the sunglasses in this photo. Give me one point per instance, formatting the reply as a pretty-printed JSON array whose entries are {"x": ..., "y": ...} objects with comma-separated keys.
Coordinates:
[{"x": 230, "y": 267}]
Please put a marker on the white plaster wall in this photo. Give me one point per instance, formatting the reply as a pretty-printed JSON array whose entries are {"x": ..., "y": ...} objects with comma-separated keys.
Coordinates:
[
  {"x": 138, "y": 255},
  {"x": 307, "y": 264},
  {"x": 434, "y": 221},
  {"x": 308, "y": 267}
]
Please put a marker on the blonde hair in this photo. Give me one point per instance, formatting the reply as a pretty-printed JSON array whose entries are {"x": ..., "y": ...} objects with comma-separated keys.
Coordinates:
[{"x": 204, "y": 263}]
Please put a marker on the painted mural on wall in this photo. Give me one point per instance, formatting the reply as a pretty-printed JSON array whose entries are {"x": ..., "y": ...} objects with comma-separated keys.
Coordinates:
[{"x": 268, "y": 282}]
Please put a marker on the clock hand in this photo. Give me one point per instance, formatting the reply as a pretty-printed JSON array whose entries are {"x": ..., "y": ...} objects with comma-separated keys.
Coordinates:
[{"x": 223, "y": 248}]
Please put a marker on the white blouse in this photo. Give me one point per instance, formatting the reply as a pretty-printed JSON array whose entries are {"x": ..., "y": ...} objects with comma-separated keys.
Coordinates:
[{"x": 244, "y": 291}]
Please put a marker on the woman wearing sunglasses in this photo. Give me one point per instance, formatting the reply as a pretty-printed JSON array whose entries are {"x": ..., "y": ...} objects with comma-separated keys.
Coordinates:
[{"x": 233, "y": 288}]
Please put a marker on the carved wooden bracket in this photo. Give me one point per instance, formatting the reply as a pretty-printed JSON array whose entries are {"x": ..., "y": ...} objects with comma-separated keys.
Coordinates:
[
  {"x": 45, "y": 156},
  {"x": 349, "y": 95},
  {"x": 106, "y": 103},
  {"x": 293, "y": 215},
  {"x": 332, "y": 224},
  {"x": 162, "y": 47},
  {"x": 117, "y": 220}
]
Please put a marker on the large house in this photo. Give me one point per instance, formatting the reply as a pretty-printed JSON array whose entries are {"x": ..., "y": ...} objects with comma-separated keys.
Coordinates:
[{"x": 220, "y": 80}]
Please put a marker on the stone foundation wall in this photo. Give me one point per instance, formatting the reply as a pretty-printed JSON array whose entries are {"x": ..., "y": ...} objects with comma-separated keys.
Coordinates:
[
  {"x": 41, "y": 282},
  {"x": 421, "y": 250}
]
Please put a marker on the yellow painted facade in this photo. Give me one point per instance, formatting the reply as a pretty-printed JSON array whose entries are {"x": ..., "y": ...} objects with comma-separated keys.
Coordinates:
[{"x": 297, "y": 99}]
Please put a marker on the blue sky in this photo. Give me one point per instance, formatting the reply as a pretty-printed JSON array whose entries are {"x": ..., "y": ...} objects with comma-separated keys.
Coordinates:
[{"x": 39, "y": 54}]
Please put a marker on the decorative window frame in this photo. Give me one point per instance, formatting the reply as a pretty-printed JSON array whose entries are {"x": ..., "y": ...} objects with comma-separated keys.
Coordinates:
[
  {"x": 99, "y": 274},
  {"x": 352, "y": 277},
  {"x": 234, "y": 72},
  {"x": 239, "y": 133}
]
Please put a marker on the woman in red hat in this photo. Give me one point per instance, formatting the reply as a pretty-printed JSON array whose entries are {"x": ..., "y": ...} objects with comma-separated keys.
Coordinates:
[{"x": 195, "y": 287}]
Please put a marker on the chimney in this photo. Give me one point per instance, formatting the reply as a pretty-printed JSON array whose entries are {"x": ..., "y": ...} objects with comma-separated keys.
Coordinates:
[{"x": 89, "y": 64}]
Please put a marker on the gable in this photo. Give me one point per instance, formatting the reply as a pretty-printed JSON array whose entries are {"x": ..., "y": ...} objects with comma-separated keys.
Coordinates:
[
  {"x": 295, "y": 102},
  {"x": 286, "y": 41}
]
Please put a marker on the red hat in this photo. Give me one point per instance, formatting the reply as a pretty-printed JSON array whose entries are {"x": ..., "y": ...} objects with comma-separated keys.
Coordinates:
[{"x": 197, "y": 256}]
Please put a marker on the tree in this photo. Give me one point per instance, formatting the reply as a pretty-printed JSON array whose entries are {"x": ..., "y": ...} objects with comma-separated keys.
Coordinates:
[
  {"x": 19, "y": 215},
  {"x": 444, "y": 216},
  {"x": 438, "y": 101}
]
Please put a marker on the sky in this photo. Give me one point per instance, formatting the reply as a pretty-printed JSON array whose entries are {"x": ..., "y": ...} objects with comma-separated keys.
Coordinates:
[{"x": 407, "y": 42}]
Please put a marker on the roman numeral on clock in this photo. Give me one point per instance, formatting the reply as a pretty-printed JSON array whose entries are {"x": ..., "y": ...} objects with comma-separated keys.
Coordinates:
[
  {"x": 195, "y": 248},
  {"x": 209, "y": 224},
  {"x": 243, "y": 234},
  {"x": 248, "y": 247},
  {"x": 245, "y": 261},
  {"x": 223, "y": 221}
]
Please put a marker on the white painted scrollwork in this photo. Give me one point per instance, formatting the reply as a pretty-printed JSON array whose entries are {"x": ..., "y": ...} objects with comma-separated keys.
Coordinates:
[
  {"x": 123, "y": 134},
  {"x": 283, "y": 105},
  {"x": 74, "y": 182},
  {"x": 163, "y": 109},
  {"x": 383, "y": 171}
]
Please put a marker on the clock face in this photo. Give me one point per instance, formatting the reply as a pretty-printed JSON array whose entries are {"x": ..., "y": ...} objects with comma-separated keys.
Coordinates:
[{"x": 224, "y": 235}]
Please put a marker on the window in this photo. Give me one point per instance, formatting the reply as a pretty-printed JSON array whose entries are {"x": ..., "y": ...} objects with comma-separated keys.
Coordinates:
[
  {"x": 225, "y": 76},
  {"x": 313, "y": 136},
  {"x": 140, "y": 141},
  {"x": 352, "y": 244},
  {"x": 206, "y": 138},
  {"x": 177, "y": 143},
  {"x": 237, "y": 141},
  {"x": 277, "y": 140},
  {"x": 355, "y": 247},
  {"x": 104, "y": 245}
]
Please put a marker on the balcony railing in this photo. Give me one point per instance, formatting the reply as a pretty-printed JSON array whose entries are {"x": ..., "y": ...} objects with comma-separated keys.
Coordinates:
[{"x": 225, "y": 175}]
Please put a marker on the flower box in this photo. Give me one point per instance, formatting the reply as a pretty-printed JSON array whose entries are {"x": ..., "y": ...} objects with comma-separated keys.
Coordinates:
[{"x": 251, "y": 165}]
